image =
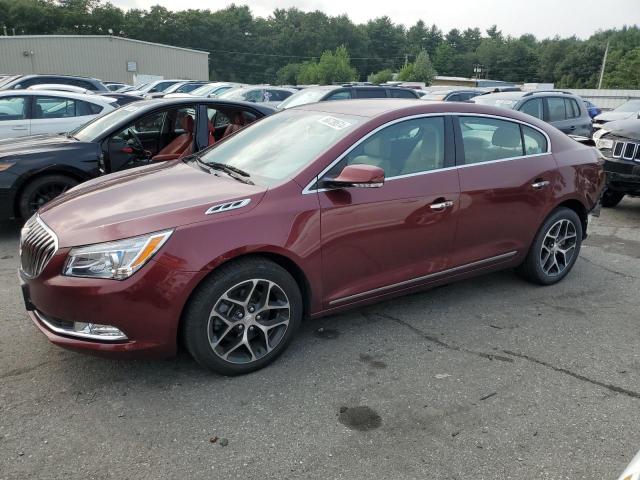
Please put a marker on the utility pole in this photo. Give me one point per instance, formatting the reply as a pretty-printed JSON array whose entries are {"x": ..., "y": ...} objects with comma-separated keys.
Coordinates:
[{"x": 604, "y": 63}]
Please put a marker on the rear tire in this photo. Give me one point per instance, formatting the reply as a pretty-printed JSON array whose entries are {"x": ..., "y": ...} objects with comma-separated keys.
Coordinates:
[
  {"x": 555, "y": 248},
  {"x": 611, "y": 198},
  {"x": 41, "y": 191},
  {"x": 242, "y": 317}
]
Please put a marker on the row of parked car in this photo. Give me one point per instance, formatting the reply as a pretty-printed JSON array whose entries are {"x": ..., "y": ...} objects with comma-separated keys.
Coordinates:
[{"x": 31, "y": 106}]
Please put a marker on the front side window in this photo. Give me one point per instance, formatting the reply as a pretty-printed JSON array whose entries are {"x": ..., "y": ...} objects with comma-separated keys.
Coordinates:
[
  {"x": 13, "y": 108},
  {"x": 280, "y": 145},
  {"x": 341, "y": 95},
  {"x": 403, "y": 148},
  {"x": 556, "y": 109},
  {"x": 533, "y": 107},
  {"x": 486, "y": 139}
]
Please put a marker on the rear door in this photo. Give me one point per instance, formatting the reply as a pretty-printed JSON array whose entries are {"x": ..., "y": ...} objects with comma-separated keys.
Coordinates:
[
  {"x": 506, "y": 185},
  {"x": 558, "y": 116},
  {"x": 14, "y": 116},
  {"x": 379, "y": 240}
]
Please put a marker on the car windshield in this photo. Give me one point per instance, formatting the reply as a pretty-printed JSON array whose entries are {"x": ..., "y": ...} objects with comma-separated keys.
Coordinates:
[
  {"x": 90, "y": 132},
  {"x": 303, "y": 97},
  {"x": 187, "y": 87},
  {"x": 235, "y": 94},
  {"x": 280, "y": 145},
  {"x": 495, "y": 101},
  {"x": 630, "y": 106}
]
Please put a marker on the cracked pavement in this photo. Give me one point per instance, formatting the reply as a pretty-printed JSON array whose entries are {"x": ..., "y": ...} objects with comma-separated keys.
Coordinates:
[{"x": 490, "y": 378}]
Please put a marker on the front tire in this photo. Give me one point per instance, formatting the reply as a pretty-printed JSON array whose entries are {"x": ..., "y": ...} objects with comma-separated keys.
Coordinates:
[
  {"x": 611, "y": 198},
  {"x": 41, "y": 191},
  {"x": 243, "y": 316},
  {"x": 555, "y": 248}
]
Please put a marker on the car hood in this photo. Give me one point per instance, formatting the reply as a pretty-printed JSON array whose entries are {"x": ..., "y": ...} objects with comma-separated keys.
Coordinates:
[
  {"x": 143, "y": 200},
  {"x": 37, "y": 144},
  {"x": 624, "y": 128},
  {"x": 611, "y": 116}
]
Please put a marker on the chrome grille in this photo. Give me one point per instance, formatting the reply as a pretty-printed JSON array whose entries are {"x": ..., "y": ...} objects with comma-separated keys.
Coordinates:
[
  {"x": 37, "y": 245},
  {"x": 626, "y": 150}
]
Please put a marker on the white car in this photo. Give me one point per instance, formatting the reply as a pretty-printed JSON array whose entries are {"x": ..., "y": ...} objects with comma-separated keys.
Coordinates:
[
  {"x": 632, "y": 472},
  {"x": 60, "y": 88},
  {"x": 209, "y": 90},
  {"x": 33, "y": 112}
]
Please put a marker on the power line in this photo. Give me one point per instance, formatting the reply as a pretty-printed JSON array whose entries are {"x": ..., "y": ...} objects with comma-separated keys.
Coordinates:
[{"x": 298, "y": 56}]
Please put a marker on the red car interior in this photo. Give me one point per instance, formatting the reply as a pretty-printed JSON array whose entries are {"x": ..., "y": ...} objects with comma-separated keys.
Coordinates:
[
  {"x": 236, "y": 124},
  {"x": 180, "y": 146}
]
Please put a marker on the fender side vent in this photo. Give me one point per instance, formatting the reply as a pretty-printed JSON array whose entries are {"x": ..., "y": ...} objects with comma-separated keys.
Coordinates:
[{"x": 225, "y": 207}]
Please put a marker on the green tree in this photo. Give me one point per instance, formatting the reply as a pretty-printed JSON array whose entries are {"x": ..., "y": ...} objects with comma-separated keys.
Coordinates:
[
  {"x": 381, "y": 77},
  {"x": 335, "y": 67},
  {"x": 288, "y": 75},
  {"x": 419, "y": 71},
  {"x": 308, "y": 73}
]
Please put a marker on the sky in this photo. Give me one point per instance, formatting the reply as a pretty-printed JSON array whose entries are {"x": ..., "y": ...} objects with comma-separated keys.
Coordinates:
[{"x": 543, "y": 18}]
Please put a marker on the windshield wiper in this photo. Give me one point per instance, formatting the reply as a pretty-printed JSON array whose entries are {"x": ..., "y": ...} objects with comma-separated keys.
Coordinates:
[
  {"x": 228, "y": 168},
  {"x": 233, "y": 172}
]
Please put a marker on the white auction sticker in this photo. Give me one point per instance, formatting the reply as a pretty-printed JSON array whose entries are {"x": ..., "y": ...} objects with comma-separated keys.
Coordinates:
[{"x": 333, "y": 122}]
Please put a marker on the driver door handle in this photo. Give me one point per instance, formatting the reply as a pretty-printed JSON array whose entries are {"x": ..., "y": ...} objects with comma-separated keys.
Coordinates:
[
  {"x": 540, "y": 184},
  {"x": 441, "y": 205}
]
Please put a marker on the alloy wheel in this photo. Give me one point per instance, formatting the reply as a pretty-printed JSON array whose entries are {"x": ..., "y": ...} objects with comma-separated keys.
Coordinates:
[
  {"x": 248, "y": 321},
  {"x": 45, "y": 194},
  {"x": 558, "y": 247}
]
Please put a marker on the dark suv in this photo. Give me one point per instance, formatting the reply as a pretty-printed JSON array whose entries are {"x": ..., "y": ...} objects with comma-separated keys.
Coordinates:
[
  {"x": 453, "y": 95},
  {"x": 563, "y": 110},
  {"x": 619, "y": 144},
  {"x": 21, "y": 82},
  {"x": 346, "y": 92}
]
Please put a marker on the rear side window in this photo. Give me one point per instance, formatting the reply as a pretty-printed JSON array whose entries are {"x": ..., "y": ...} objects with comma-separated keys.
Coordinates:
[
  {"x": 401, "y": 93},
  {"x": 276, "y": 95},
  {"x": 13, "y": 108},
  {"x": 341, "y": 95},
  {"x": 94, "y": 109},
  {"x": 56, "y": 107},
  {"x": 533, "y": 107},
  {"x": 556, "y": 109},
  {"x": 572, "y": 108},
  {"x": 487, "y": 139},
  {"x": 534, "y": 141},
  {"x": 370, "y": 93}
]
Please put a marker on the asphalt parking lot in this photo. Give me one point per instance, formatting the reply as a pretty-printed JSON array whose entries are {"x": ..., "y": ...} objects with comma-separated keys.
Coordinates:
[{"x": 491, "y": 378}]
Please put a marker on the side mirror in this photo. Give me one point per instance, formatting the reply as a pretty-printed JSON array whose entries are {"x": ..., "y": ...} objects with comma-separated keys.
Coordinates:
[{"x": 366, "y": 176}]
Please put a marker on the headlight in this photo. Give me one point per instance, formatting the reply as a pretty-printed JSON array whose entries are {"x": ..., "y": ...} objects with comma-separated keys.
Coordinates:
[
  {"x": 116, "y": 260},
  {"x": 598, "y": 133}
]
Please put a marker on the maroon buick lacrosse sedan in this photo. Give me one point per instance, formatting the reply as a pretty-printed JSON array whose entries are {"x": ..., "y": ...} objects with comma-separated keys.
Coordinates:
[{"x": 308, "y": 212}]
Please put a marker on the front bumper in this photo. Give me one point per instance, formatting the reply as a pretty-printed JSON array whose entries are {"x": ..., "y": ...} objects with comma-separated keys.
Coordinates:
[
  {"x": 146, "y": 307},
  {"x": 622, "y": 175}
]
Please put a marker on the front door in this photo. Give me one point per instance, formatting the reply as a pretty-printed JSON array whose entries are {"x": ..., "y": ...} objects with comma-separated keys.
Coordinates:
[
  {"x": 505, "y": 188},
  {"x": 379, "y": 240}
]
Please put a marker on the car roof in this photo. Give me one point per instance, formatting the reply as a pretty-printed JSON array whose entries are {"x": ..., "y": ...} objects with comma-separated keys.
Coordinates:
[
  {"x": 57, "y": 93},
  {"x": 156, "y": 102},
  {"x": 35, "y": 75},
  {"x": 376, "y": 107}
]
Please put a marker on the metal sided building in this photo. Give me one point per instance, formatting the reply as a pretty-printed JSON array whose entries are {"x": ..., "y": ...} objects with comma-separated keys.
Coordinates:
[{"x": 104, "y": 57}]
